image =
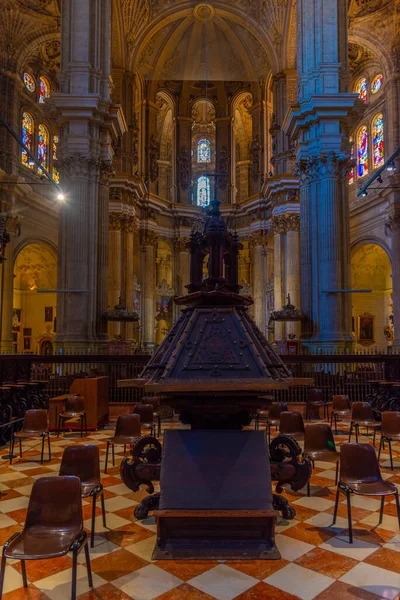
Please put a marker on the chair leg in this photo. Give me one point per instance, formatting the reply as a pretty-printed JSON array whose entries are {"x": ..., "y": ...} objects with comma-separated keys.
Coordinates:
[
  {"x": 74, "y": 567},
  {"x": 48, "y": 443},
  {"x": 357, "y": 431},
  {"x": 108, "y": 447},
  {"x": 397, "y": 505},
  {"x": 86, "y": 429},
  {"x": 308, "y": 487},
  {"x": 59, "y": 427},
  {"x": 81, "y": 426},
  {"x": 373, "y": 439},
  {"x": 88, "y": 567},
  {"x": 159, "y": 425},
  {"x": 41, "y": 456},
  {"x": 103, "y": 509},
  {"x": 380, "y": 448},
  {"x": 390, "y": 453},
  {"x": 12, "y": 444},
  {"x": 349, "y": 517},
  {"x": 113, "y": 455},
  {"x": 23, "y": 571},
  {"x": 337, "y": 472},
  {"x": 381, "y": 510},
  {"x": 336, "y": 506},
  {"x": 124, "y": 448},
  {"x": 335, "y": 424},
  {"x": 350, "y": 432},
  {"x": 2, "y": 572},
  {"x": 93, "y": 520},
  {"x": 20, "y": 448}
]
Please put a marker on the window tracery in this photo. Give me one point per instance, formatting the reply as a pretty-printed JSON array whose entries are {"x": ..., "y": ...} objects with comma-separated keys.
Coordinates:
[
  {"x": 29, "y": 82},
  {"x": 378, "y": 144},
  {"x": 376, "y": 83},
  {"x": 361, "y": 89},
  {"x": 203, "y": 190},
  {"x": 27, "y": 128},
  {"x": 362, "y": 151},
  {"x": 44, "y": 89}
]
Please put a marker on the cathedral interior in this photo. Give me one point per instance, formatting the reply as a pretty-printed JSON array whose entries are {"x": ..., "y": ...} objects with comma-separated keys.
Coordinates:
[{"x": 126, "y": 127}]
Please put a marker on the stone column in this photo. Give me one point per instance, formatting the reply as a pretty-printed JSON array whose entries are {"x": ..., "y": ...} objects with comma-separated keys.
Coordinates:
[
  {"x": 258, "y": 242},
  {"x": 115, "y": 271},
  {"x": 223, "y": 137},
  {"x": 88, "y": 123},
  {"x": 278, "y": 227},
  {"x": 319, "y": 122},
  {"x": 292, "y": 268},
  {"x": 392, "y": 230},
  {"x": 148, "y": 241},
  {"x": 129, "y": 227},
  {"x": 13, "y": 228}
]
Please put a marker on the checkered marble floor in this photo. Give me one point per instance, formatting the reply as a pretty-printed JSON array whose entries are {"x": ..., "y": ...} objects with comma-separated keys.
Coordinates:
[{"x": 317, "y": 560}]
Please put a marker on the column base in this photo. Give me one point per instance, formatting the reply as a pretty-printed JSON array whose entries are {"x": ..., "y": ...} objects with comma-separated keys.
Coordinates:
[{"x": 315, "y": 346}]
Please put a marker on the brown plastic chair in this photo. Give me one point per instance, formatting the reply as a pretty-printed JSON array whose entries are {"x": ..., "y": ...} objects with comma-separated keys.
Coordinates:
[
  {"x": 360, "y": 474},
  {"x": 84, "y": 462},
  {"x": 274, "y": 417},
  {"x": 315, "y": 399},
  {"x": 35, "y": 425},
  {"x": 319, "y": 444},
  {"x": 155, "y": 403},
  {"x": 341, "y": 409},
  {"x": 146, "y": 413},
  {"x": 74, "y": 409},
  {"x": 127, "y": 431},
  {"x": 53, "y": 527},
  {"x": 390, "y": 432},
  {"x": 291, "y": 423},
  {"x": 362, "y": 416}
]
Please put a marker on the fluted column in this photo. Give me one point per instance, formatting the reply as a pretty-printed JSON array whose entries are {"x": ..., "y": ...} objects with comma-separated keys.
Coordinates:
[
  {"x": 148, "y": 244},
  {"x": 279, "y": 232},
  {"x": 392, "y": 229},
  {"x": 115, "y": 271},
  {"x": 258, "y": 242},
  {"x": 129, "y": 229},
  {"x": 292, "y": 268}
]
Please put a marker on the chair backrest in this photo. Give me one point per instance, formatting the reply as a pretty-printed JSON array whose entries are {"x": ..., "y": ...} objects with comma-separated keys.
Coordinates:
[
  {"x": 315, "y": 395},
  {"x": 128, "y": 426},
  {"x": 341, "y": 402},
  {"x": 55, "y": 504},
  {"x": 74, "y": 404},
  {"x": 291, "y": 422},
  {"x": 146, "y": 413},
  {"x": 358, "y": 463},
  {"x": 35, "y": 421},
  {"x": 83, "y": 462},
  {"x": 276, "y": 409},
  {"x": 318, "y": 436},
  {"x": 391, "y": 423},
  {"x": 361, "y": 411},
  {"x": 154, "y": 402}
]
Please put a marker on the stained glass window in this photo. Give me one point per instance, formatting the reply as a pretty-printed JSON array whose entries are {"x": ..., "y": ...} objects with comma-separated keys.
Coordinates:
[
  {"x": 362, "y": 151},
  {"x": 44, "y": 89},
  {"x": 378, "y": 143},
  {"x": 351, "y": 174},
  {"x": 43, "y": 145},
  {"x": 203, "y": 151},
  {"x": 376, "y": 83},
  {"x": 55, "y": 173},
  {"x": 29, "y": 82},
  {"x": 203, "y": 190},
  {"x": 361, "y": 89},
  {"x": 27, "y": 127}
]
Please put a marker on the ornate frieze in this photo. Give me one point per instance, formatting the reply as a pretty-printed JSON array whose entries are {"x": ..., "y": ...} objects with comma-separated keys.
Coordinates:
[
  {"x": 285, "y": 223},
  {"x": 148, "y": 238},
  {"x": 320, "y": 167}
]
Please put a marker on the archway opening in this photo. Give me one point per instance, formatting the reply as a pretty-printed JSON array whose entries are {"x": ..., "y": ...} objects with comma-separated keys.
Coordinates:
[{"x": 34, "y": 311}]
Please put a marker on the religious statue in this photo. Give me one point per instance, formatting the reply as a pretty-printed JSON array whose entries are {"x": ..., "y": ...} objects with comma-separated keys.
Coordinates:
[{"x": 184, "y": 168}]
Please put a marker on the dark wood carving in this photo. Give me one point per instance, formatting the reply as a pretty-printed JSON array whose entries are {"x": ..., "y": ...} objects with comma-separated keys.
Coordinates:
[{"x": 288, "y": 467}]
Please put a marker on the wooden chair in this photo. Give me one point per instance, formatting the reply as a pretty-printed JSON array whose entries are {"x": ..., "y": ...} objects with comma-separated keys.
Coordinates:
[
  {"x": 35, "y": 425},
  {"x": 74, "y": 410},
  {"x": 319, "y": 444},
  {"x": 155, "y": 403},
  {"x": 360, "y": 474},
  {"x": 146, "y": 413},
  {"x": 390, "y": 432},
  {"x": 362, "y": 416},
  {"x": 315, "y": 399},
  {"x": 84, "y": 462},
  {"x": 274, "y": 417},
  {"x": 53, "y": 527},
  {"x": 291, "y": 423},
  {"x": 127, "y": 431},
  {"x": 341, "y": 409}
]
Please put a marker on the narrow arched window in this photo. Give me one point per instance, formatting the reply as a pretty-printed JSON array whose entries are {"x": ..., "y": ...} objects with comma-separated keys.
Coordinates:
[
  {"x": 203, "y": 190},
  {"x": 43, "y": 146},
  {"x": 351, "y": 174},
  {"x": 362, "y": 151},
  {"x": 376, "y": 83},
  {"x": 204, "y": 151},
  {"x": 29, "y": 82},
  {"x": 27, "y": 128},
  {"x": 361, "y": 89},
  {"x": 378, "y": 144},
  {"x": 44, "y": 89},
  {"x": 54, "y": 172}
]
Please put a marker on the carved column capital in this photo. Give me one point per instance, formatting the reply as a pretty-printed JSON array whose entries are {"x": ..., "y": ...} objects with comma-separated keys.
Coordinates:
[
  {"x": 279, "y": 224},
  {"x": 106, "y": 171},
  {"x": 325, "y": 165},
  {"x": 115, "y": 221},
  {"x": 180, "y": 244},
  {"x": 259, "y": 238},
  {"x": 129, "y": 224},
  {"x": 148, "y": 238}
]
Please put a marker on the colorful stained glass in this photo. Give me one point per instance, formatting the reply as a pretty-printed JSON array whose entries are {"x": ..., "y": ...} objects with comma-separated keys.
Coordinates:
[
  {"x": 351, "y": 174},
  {"x": 29, "y": 82},
  {"x": 203, "y": 151},
  {"x": 362, "y": 151},
  {"x": 55, "y": 173},
  {"x": 361, "y": 89},
  {"x": 43, "y": 146},
  {"x": 203, "y": 190},
  {"x": 27, "y": 127},
  {"x": 376, "y": 83},
  {"x": 378, "y": 143},
  {"x": 44, "y": 89}
]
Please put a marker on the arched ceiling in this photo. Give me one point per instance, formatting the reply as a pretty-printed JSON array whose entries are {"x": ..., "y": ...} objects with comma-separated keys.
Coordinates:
[
  {"x": 371, "y": 268},
  {"x": 35, "y": 268},
  {"x": 202, "y": 42}
]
